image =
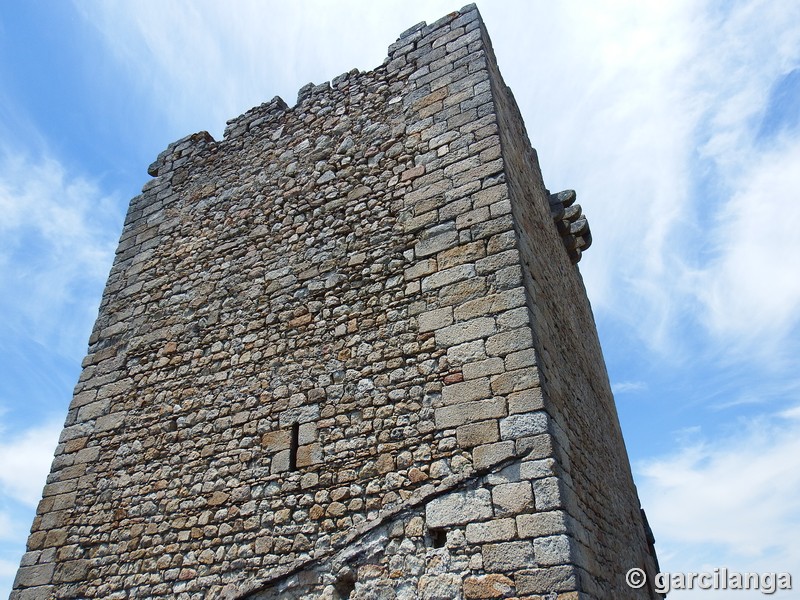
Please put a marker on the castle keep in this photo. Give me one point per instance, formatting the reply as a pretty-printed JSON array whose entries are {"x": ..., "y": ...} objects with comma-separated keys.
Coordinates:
[{"x": 346, "y": 352}]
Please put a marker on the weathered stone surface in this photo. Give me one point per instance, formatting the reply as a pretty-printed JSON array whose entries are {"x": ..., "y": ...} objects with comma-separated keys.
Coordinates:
[
  {"x": 508, "y": 556},
  {"x": 498, "y": 530},
  {"x": 476, "y": 434},
  {"x": 459, "y": 508},
  {"x": 436, "y": 239},
  {"x": 491, "y": 454},
  {"x": 525, "y": 401},
  {"x": 523, "y": 425},
  {"x": 547, "y": 581},
  {"x": 481, "y": 368},
  {"x": 467, "y": 391},
  {"x": 541, "y": 524},
  {"x": 553, "y": 550},
  {"x": 469, "y": 412},
  {"x": 435, "y": 319},
  {"x": 36, "y": 575},
  {"x": 512, "y": 498},
  {"x": 509, "y": 341},
  {"x": 548, "y": 493},
  {"x": 488, "y": 586},
  {"x": 465, "y": 331}
]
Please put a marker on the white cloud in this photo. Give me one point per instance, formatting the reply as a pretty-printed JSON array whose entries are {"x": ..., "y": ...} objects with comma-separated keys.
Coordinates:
[
  {"x": 203, "y": 62},
  {"x": 57, "y": 240},
  {"x": 651, "y": 111},
  {"x": 25, "y": 459},
  {"x": 750, "y": 289},
  {"x": 624, "y": 387},
  {"x": 731, "y": 502}
]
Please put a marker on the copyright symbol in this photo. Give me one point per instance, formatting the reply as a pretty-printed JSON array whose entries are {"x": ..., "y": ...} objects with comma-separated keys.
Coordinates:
[{"x": 635, "y": 578}]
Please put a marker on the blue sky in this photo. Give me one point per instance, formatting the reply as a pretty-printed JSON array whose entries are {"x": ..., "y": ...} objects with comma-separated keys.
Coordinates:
[{"x": 677, "y": 123}]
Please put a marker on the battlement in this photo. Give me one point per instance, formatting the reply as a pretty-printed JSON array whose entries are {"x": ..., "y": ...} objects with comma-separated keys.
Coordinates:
[{"x": 345, "y": 352}]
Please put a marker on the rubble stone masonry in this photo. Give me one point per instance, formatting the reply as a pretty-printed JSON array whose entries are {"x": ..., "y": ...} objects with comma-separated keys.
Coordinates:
[{"x": 345, "y": 352}]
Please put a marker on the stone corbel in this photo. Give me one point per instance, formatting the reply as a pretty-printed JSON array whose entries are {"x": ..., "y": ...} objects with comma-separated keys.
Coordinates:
[{"x": 572, "y": 226}]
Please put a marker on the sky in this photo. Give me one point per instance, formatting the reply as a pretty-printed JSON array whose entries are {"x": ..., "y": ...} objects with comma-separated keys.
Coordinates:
[{"x": 677, "y": 123}]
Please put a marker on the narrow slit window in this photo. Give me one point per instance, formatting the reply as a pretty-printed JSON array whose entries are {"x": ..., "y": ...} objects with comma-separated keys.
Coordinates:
[{"x": 293, "y": 445}]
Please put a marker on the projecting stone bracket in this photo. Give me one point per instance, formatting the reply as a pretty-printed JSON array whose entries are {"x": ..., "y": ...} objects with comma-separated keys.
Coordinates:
[{"x": 571, "y": 225}]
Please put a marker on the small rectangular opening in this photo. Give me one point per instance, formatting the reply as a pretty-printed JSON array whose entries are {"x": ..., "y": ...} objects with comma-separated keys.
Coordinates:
[
  {"x": 293, "y": 445},
  {"x": 438, "y": 537}
]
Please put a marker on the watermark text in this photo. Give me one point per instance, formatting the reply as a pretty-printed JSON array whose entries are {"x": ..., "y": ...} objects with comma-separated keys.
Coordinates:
[{"x": 718, "y": 579}]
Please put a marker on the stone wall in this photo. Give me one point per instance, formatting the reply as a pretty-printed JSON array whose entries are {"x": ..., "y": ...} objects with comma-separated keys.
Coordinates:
[{"x": 343, "y": 353}]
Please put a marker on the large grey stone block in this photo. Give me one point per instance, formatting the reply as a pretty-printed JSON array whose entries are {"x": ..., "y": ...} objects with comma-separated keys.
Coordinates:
[
  {"x": 508, "y": 556},
  {"x": 459, "y": 508}
]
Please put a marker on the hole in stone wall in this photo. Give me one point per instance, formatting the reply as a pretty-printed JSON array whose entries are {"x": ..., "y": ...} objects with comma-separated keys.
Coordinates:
[
  {"x": 293, "y": 445},
  {"x": 438, "y": 537},
  {"x": 345, "y": 585}
]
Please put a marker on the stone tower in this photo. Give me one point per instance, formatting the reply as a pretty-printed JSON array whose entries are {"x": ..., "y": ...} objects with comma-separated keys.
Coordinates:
[{"x": 345, "y": 352}]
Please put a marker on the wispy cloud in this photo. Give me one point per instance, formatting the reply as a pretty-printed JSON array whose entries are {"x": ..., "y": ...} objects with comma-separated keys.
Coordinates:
[
  {"x": 248, "y": 54},
  {"x": 652, "y": 112},
  {"x": 732, "y": 501},
  {"x": 624, "y": 387},
  {"x": 26, "y": 458},
  {"x": 57, "y": 240}
]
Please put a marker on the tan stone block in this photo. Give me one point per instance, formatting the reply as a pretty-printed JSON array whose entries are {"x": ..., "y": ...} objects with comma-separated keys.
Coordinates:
[
  {"x": 491, "y": 304},
  {"x": 494, "y": 262},
  {"x": 436, "y": 239},
  {"x": 93, "y": 410},
  {"x": 34, "y": 575},
  {"x": 467, "y": 391},
  {"x": 307, "y": 433},
  {"x": 512, "y": 498},
  {"x": 420, "y": 268},
  {"x": 468, "y": 219},
  {"x": 275, "y": 441},
  {"x": 515, "y": 381},
  {"x": 465, "y": 331},
  {"x": 71, "y": 570},
  {"x": 513, "y": 319},
  {"x": 435, "y": 319},
  {"x": 520, "y": 359},
  {"x": 545, "y": 581},
  {"x": 482, "y": 368},
  {"x": 548, "y": 494},
  {"x": 538, "y": 469},
  {"x": 280, "y": 462},
  {"x": 525, "y": 401},
  {"x": 218, "y": 498},
  {"x": 490, "y": 454},
  {"x": 509, "y": 341},
  {"x": 491, "y": 195},
  {"x": 458, "y": 508},
  {"x": 448, "y": 277},
  {"x": 459, "y": 414},
  {"x": 476, "y": 434},
  {"x": 541, "y": 524},
  {"x": 501, "y": 241},
  {"x": 488, "y": 586},
  {"x": 109, "y": 422},
  {"x": 496, "y": 530},
  {"x": 309, "y": 455},
  {"x": 463, "y": 253},
  {"x": 419, "y": 221},
  {"x": 462, "y": 291}
]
